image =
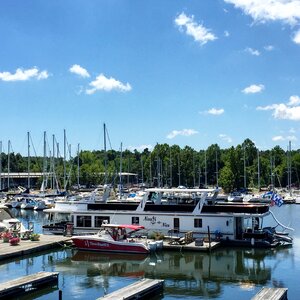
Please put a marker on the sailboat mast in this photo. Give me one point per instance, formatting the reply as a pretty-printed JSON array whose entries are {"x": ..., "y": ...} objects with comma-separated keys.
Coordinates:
[
  {"x": 65, "y": 150},
  {"x": 105, "y": 154},
  {"x": 78, "y": 166},
  {"x": 120, "y": 175},
  {"x": 258, "y": 171},
  {"x": 171, "y": 175},
  {"x": 217, "y": 171},
  {"x": 8, "y": 164},
  {"x": 53, "y": 163},
  {"x": 205, "y": 167},
  {"x": 28, "y": 166},
  {"x": 44, "y": 164},
  {"x": 0, "y": 164},
  {"x": 245, "y": 175}
]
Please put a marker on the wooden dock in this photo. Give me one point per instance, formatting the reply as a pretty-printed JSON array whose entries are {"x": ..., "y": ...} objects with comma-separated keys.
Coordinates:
[
  {"x": 271, "y": 294},
  {"x": 142, "y": 289},
  {"x": 27, "y": 284},
  {"x": 205, "y": 247},
  {"x": 46, "y": 242}
]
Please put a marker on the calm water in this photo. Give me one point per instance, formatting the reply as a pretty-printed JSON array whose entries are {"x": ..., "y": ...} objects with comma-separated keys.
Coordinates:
[{"x": 224, "y": 274}]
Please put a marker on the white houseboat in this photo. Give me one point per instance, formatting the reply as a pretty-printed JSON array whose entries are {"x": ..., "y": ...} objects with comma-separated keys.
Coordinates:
[{"x": 178, "y": 211}]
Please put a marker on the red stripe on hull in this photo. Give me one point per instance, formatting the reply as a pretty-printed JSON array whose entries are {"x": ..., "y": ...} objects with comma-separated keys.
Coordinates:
[{"x": 108, "y": 246}]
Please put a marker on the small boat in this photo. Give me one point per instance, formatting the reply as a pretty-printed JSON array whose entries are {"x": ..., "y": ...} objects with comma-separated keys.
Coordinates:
[{"x": 112, "y": 238}]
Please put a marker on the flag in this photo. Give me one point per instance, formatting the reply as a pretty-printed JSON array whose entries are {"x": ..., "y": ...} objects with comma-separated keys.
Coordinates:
[{"x": 277, "y": 199}]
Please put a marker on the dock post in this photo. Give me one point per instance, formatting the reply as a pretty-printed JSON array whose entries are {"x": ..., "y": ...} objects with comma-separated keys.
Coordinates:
[{"x": 60, "y": 295}]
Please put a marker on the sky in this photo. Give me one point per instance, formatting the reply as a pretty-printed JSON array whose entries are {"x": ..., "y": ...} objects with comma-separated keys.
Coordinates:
[{"x": 192, "y": 73}]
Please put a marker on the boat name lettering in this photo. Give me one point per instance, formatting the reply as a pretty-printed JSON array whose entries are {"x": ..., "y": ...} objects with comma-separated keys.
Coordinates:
[
  {"x": 99, "y": 244},
  {"x": 152, "y": 219},
  {"x": 166, "y": 224}
]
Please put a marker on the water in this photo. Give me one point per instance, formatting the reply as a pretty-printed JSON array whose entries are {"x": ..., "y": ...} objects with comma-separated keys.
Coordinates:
[{"x": 224, "y": 274}]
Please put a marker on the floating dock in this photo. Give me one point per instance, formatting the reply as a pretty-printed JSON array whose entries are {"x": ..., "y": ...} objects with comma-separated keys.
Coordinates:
[
  {"x": 27, "y": 284},
  {"x": 271, "y": 294},
  {"x": 45, "y": 242},
  {"x": 204, "y": 247},
  {"x": 142, "y": 289}
]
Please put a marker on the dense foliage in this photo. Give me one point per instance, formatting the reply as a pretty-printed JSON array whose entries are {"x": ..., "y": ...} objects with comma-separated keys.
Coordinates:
[{"x": 232, "y": 169}]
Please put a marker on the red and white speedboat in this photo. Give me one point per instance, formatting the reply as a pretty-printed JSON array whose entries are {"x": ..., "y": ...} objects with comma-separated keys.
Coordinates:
[{"x": 112, "y": 238}]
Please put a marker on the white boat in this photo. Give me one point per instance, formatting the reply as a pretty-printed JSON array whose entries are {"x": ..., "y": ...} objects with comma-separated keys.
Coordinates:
[
  {"x": 28, "y": 203},
  {"x": 233, "y": 223},
  {"x": 8, "y": 222},
  {"x": 40, "y": 204},
  {"x": 112, "y": 238}
]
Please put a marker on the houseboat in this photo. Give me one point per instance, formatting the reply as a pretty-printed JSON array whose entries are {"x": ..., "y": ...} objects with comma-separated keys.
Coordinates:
[{"x": 178, "y": 211}]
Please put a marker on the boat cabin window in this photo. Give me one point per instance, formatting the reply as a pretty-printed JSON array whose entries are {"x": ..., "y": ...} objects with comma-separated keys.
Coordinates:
[
  {"x": 135, "y": 221},
  {"x": 99, "y": 220},
  {"x": 84, "y": 221},
  {"x": 198, "y": 223},
  {"x": 176, "y": 224}
]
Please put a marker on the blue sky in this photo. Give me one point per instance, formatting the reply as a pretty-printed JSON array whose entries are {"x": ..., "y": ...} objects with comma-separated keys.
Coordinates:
[{"x": 179, "y": 72}]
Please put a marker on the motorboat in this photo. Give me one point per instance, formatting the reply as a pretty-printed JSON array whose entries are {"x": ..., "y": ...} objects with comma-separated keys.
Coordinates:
[{"x": 113, "y": 238}]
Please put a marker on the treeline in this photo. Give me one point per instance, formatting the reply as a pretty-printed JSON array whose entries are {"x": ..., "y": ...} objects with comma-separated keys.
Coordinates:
[{"x": 234, "y": 168}]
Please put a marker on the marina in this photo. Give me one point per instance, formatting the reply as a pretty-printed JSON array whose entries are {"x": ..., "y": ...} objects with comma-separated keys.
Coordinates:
[{"x": 220, "y": 273}]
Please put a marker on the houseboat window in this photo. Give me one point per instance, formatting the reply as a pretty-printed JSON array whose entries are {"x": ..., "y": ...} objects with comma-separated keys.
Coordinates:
[
  {"x": 198, "y": 223},
  {"x": 84, "y": 221},
  {"x": 135, "y": 221},
  {"x": 99, "y": 220},
  {"x": 176, "y": 224}
]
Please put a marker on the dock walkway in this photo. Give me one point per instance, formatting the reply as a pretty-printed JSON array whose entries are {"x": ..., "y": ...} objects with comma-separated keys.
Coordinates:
[
  {"x": 27, "y": 283},
  {"x": 205, "y": 247},
  {"x": 46, "y": 242},
  {"x": 267, "y": 293},
  {"x": 142, "y": 289}
]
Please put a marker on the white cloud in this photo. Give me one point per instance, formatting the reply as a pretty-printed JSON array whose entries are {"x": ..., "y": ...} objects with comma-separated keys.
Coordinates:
[
  {"x": 277, "y": 138},
  {"x": 23, "y": 75},
  {"x": 252, "y": 51},
  {"x": 226, "y": 33},
  {"x": 292, "y": 130},
  {"x": 197, "y": 31},
  {"x": 225, "y": 138},
  {"x": 296, "y": 38},
  {"x": 214, "y": 111},
  {"x": 289, "y": 111},
  {"x": 291, "y": 138},
  {"x": 253, "y": 89},
  {"x": 294, "y": 101},
  {"x": 281, "y": 138},
  {"x": 140, "y": 148},
  {"x": 183, "y": 132},
  {"x": 78, "y": 70},
  {"x": 107, "y": 84},
  {"x": 287, "y": 11},
  {"x": 269, "y": 48}
]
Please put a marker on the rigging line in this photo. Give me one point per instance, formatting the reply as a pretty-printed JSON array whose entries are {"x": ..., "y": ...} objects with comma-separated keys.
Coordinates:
[
  {"x": 108, "y": 138},
  {"x": 286, "y": 227},
  {"x": 37, "y": 161}
]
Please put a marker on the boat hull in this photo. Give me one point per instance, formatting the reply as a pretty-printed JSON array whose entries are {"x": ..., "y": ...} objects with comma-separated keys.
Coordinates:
[{"x": 108, "y": 246}]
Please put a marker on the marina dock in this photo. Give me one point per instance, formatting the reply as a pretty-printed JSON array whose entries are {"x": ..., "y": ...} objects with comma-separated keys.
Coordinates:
[
  {"x": 142, "y": 289},
  {"x": 193, "y": 246},
  {"x": 45, "y": 242},
  {"x": 27, "y": 284},
  {"x": 271, "y": 294}
]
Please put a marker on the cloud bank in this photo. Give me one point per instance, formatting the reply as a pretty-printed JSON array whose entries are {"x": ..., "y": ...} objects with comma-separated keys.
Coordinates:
[{"x": 23, "y": 75}]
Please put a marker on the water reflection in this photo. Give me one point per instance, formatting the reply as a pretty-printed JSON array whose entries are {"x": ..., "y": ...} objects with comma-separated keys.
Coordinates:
[{"x": 185, "y": 273}]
